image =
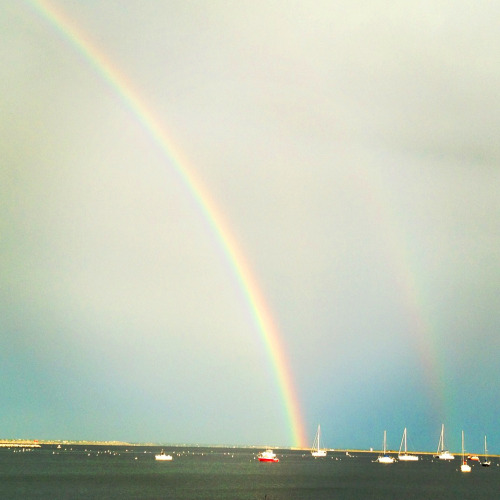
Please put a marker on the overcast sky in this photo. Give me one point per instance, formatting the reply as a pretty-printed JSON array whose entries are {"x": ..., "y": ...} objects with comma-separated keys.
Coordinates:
[{"x": 353, "y": 148}]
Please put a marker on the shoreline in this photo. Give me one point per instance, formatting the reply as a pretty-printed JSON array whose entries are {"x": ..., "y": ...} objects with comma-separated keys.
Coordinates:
[{"x": 34, "y": 443}]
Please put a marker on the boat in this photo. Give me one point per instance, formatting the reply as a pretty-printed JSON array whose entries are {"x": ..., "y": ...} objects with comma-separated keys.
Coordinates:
[
  {"x": 267, "y": 456},
  {"x": 441, "y": 453},
  {"x": 316, "y": 451},
  {"x": 163, "y": 456},
  {"x": 405, "y": 457},
  {"x": 486, "y": 462},
  {"x": 474, "y": 458},
  {"x": 385, "y": 458},
  {"x": 465, "y": 467}
]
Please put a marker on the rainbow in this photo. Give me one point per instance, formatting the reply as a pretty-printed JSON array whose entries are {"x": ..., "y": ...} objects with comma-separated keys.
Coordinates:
[
  {"x": 132, "y": 99},
  {"x": 410, "y": 290}
]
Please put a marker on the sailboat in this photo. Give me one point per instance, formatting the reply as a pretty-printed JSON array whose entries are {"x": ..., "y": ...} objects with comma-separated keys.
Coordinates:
[
  {"x": 486, "y": 462},
  {"x": 316, "y": 451},
  {"x": 441, "y": 453},
  {"x": 405, "y": 456},
  {"x": 385, "y": 458},
  {"x": 465, "y": 467}
]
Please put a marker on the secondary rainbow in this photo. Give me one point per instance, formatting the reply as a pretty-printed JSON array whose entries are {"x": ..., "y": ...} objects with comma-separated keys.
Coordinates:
[
  {"x": 260, "y": 312},
  {"x": 397, "y": 254}
]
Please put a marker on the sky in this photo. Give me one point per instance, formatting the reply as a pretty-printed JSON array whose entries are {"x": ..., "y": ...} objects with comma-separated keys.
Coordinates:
[{"x": 352, "y": 148}]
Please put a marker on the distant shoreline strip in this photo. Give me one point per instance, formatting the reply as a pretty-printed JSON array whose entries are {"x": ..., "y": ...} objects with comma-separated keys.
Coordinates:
[{"x": 39, "y": 444}]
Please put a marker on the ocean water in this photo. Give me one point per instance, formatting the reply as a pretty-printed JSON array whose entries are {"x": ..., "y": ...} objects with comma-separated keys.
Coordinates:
[{"x": 232, "y": 473}]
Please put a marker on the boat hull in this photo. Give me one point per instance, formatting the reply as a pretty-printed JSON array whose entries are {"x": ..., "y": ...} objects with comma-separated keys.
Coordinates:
[
  {"x": 407, "y": 458},
  {"x": 262, "y": 459},
  {"x": 465, "y": 468}
]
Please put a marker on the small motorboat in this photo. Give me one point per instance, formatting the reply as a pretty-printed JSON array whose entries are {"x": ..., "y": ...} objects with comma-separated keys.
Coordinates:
[
  {"x": 163, "y": 456},
  {"x": 267, "y": 456}
]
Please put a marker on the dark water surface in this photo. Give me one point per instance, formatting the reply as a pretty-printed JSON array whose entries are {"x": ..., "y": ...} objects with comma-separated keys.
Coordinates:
[{"x": 227, "y": 473}]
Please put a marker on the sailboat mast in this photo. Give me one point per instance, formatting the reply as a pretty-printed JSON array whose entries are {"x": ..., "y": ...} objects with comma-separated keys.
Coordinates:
[{"x": 403, "y": 440}]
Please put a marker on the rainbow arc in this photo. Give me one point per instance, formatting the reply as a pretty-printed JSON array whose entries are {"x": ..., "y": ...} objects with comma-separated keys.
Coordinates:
[{"x": 132, "y": 99}]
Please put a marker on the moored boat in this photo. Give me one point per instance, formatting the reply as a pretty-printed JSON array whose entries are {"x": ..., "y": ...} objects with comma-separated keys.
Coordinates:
[
  {"x": 441, "y": 452},
  {"x": 465, "y": 467},
  {"x": 163, "y": 456},
  {"x": 486, "y": 462},
  {"x": 267, "y": 456},
  {"x": 316, "y": 451},
  {"x": 385, "y": 458},
  {"x": 405, "y": 457}
]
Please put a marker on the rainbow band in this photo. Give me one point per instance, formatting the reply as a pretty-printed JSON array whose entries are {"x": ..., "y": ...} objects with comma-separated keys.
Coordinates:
[
  {"x": 260, "y": 312},
  {"x": 424, "y": 338}
]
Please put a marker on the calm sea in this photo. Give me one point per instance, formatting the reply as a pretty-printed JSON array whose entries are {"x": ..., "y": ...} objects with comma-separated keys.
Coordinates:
[{"x": 228, "y": 473}]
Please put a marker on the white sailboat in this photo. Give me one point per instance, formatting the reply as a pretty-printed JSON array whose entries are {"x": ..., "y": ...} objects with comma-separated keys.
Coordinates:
[
  {"x": 465, "y": 467},
  {"x": 486, "y": 462},
  {"x": 441, "y": 452},
  {"x": 316, "y": 451},
  {"x": 385, "y": 458},
  {"x": 405, "y": 456}
]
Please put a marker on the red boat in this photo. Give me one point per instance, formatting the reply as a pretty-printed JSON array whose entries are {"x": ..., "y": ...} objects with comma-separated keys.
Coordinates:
[{"x": 267, "y": 456}]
